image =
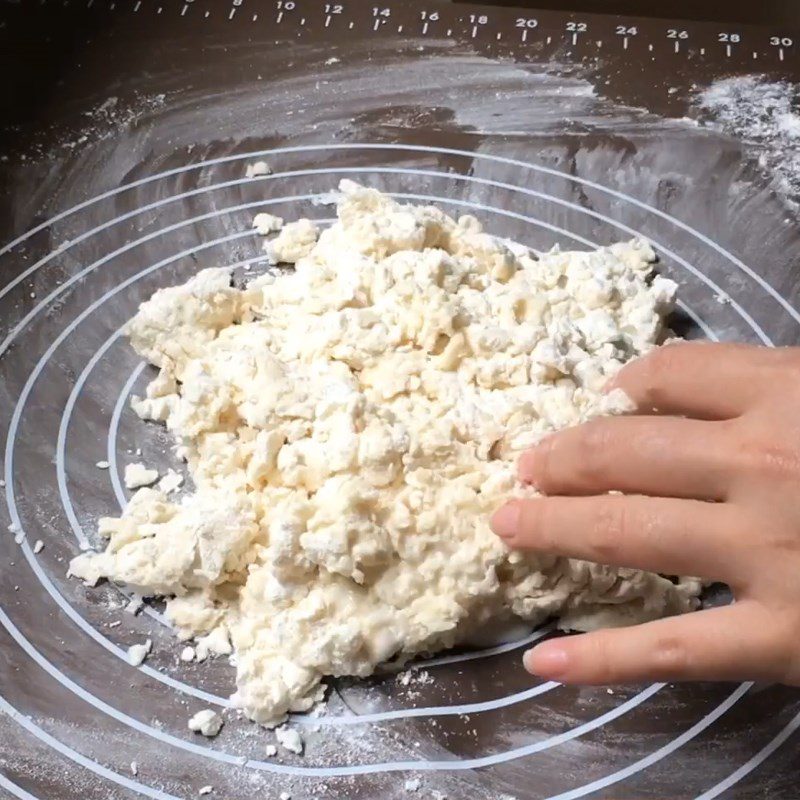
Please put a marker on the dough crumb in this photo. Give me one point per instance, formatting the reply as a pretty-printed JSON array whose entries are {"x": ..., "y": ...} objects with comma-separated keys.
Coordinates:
[
  {"x": 412, "y": 785},
  {"x": 138, "y": 475},
  {"x": 171, "y": 482},
  {"x": 271, "y": 751},
  {"x": 38, "y": 546},
  {"x": 137, "y": 653},
  {"x": 205, "y": 790},
  {"x": 102, "y": 465},
  {"x": 267, "y": 223},
  {"x": 290, "y": 739},
  {"x": 134, "y": 769},
  {"x": 258, "y": 168},
  {"x": 207, "y": 722},
  {"x": 187, "y": 654}
]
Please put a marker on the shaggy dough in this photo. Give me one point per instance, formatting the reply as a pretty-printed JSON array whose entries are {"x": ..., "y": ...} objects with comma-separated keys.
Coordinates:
[{"x": 351, "y": 424}]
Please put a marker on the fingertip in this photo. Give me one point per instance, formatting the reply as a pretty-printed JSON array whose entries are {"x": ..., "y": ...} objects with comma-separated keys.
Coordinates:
[
  {"x": 549, "y": 660},
  {"x": 505, "y": 521}
]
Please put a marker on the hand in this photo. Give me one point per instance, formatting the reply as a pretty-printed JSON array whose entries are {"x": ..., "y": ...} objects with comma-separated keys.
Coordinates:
[{"x": 710, "y": 468}]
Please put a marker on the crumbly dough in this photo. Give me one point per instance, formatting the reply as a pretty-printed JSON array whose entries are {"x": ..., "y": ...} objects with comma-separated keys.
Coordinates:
[
  {"x": 351, "y": 424},
  {"x": 138, "y": 475}
]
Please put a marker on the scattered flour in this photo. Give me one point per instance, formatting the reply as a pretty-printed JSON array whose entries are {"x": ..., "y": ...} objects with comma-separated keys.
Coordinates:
[
  {"x": 349, "y": 427},
  {"x": 764, "y": 113}
]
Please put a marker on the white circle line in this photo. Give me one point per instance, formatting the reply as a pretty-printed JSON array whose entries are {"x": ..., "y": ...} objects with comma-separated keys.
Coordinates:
[
  {"x": 111, "y": 439},
  {"x": 45, "y": 358},
  {"x": 16, "y": 329},
  {"x": 76, "y": 757},
  {"x": 759, "y": 758},
  {"x": 662, "y": 752},
  {"x": 319, "y": 772},
  {"x": 77, "y": 618},
  {"x": 119, "y": 287},
  {"x": 8, "y": 784},
  {"x": 66, "y": 416},
  {"x": 440, "y": 151}
]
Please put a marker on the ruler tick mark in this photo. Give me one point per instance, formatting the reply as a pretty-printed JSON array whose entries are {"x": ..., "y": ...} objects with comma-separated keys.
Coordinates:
[
  {"x": 376, "y": 25},
  {"x": 650, "y": 47},
  {"x": 549, "y": 40},
  {"x": 449, "y": 32},
  {"x": 302, "y": 20},
  {"x": 184, "y": 9},
  {"x": 255, "y": 17},
  {"x": 474, "y": 31},
  {"x": 781, "y": 54},
  {"x": 728, "y": 51},
  {"x": 702, "y": 51},
  {"x": 624, "y": 42},
  {"x": 280, "y": 16},
  {"x": 424, "y": 28},
  {"x": 351, "y": 25},
  {"x": 207, "y": 14},
  {"x": 574, "y": 39},
  {"x": 233, "y": 11},
  {"x": 160, "y": 9},
  {"x": 755, "y": 55},
  {"x": 138, "y": 5},
  {"x": 399, "y": 28},
  {"x": 677, "y": 47},
  {"x": 524, "y": 36},
  {"x": 499, "y": 36},
  {"x": 599, "y": 44},
  {"x": 327, "y": 20}
]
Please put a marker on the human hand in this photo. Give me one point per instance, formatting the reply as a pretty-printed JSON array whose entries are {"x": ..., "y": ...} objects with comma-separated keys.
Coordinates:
[{"x": 716, "y": 422}]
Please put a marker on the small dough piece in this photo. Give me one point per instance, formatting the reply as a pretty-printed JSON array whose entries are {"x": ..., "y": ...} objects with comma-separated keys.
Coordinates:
[
  {"x": 138, "y": 475},
  {"x": 267, "y": 223},
  {"x": 290, "y": 739},
  {"x": 257, "y": 169},
  {"x": 137, "y": 653},
  {"x": 207, "y": 722}
]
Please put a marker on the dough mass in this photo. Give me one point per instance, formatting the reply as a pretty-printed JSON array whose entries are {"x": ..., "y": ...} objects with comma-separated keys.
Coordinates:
[{"x": 351, "y": 424}]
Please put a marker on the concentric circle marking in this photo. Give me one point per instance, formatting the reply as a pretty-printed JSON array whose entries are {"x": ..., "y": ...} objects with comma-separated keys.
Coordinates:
[
  {"x": 379, "y": 146},
  {"x": 66, "y": 501},
  {"x": 466, "y": 154}
]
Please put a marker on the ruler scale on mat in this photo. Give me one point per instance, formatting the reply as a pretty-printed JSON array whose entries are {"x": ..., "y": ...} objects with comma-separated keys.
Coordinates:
[{"x": 125, "y": 133}]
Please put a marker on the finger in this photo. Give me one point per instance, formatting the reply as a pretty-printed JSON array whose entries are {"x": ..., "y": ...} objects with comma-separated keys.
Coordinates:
[
  {"x": 700, "y": 379},
  {"x": 731, "y": 643},
  {"x": 676, "y": 537},
  {"x": 664, "y": 456}
]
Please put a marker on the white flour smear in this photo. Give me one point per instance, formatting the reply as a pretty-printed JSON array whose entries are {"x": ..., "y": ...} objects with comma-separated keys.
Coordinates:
[{"x": 766, "y": 114}]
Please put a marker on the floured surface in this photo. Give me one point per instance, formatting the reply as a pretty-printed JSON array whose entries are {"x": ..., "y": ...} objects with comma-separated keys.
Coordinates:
[{"x": 351, "y": 425}]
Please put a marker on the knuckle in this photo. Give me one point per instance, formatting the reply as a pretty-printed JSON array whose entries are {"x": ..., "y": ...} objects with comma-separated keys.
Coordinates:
[
  {"x": 607, "y": 532},
  {"x": 776, "y": 460},
  {"x": 655, "y": 371},
  {"x": 671, "y": 657},
  {"x": 593, "y": 443}
]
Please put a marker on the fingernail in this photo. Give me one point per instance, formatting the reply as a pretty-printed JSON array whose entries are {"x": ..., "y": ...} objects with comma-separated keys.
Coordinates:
[
  {"x": 548, "y": 660},
  {"x": 505, "y": 521}
]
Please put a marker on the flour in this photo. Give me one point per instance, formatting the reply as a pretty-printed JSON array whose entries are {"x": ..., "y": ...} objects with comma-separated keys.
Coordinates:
[
  {"x": 350, "y": 426},
  {"x": 766, "y": 114}
]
